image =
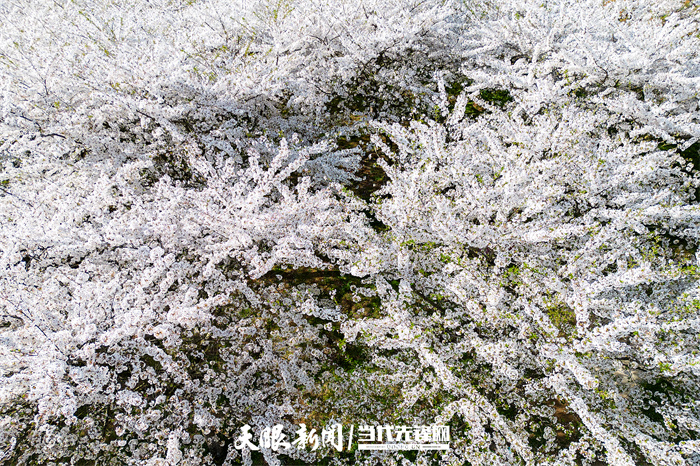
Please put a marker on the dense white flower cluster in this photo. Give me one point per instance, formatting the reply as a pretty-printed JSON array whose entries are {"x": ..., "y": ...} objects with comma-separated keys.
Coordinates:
[{"x": 478, "y": 214}]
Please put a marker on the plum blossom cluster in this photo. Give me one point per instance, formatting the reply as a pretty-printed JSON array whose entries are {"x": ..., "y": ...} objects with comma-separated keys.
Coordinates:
[{"x": 479, "y": 215}]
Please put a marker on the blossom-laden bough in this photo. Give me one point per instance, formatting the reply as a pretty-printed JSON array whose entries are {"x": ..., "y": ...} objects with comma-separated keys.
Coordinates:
[{"x": 223, "y": 213}]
